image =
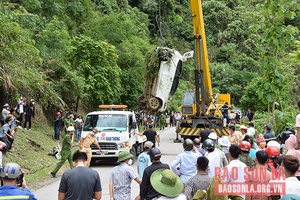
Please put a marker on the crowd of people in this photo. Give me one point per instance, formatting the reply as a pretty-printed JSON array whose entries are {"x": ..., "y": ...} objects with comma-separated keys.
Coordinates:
[{"x": 158, "y": 121}]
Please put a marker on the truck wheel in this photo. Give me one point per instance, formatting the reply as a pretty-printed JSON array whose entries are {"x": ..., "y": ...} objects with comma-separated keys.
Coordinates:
[
  {"x": 154, "y": 103},
  {"x": 133, "y": 150}
]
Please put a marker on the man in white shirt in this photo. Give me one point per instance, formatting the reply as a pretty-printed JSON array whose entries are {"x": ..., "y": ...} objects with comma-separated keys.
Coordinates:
[
  {"x": 235, "y": 167},
  {"x": 185, "y": 163},
  {"x": 213, "y": 157},
  {"x": 291, "y": 164}
]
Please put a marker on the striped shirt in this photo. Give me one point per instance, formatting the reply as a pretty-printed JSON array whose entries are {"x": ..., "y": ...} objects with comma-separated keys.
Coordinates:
[
  {"x": 121, "y": 176},
  {"x": 199, "y": 182}
]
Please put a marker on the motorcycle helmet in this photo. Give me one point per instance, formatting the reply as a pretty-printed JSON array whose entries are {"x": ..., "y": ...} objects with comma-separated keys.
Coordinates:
[
  {"x": 245, "y": 146},
  {"x": 273, "y": 152},
  {"x": 209, "y": 144},
  {"x": 155, "y": 154},
  {"x": 11, "y": 170}
]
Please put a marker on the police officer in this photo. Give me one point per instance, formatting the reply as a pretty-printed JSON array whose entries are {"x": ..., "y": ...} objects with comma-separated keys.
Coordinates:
[
  {"x": 66, "y": 153},
  {"x": 12, "y": 177}
]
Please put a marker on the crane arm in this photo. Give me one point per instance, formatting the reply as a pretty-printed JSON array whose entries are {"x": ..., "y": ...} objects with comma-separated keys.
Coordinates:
[{"x": 201, "y": 55}]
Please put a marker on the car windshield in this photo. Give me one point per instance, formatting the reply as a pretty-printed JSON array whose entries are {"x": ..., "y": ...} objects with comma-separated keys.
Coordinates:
[
  {"x": 107, "y": 122},
  {"x": 188, "y": 99}
]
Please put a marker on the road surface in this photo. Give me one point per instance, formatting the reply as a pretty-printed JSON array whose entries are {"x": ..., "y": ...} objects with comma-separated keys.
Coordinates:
[{"x": 169, "y": 151}]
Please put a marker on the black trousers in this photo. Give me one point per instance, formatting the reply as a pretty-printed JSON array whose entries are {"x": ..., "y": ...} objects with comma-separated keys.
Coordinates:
[{"x": 27, "y": 119}]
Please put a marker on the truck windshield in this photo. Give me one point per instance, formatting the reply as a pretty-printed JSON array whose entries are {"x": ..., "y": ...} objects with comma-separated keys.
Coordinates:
[
  {"x": 188, "y": 99},
  {"x": 105, "y": 122}
]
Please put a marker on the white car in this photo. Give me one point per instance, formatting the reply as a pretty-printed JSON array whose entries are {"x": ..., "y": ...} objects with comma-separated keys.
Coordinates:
[{"x": 161, "y": 82}]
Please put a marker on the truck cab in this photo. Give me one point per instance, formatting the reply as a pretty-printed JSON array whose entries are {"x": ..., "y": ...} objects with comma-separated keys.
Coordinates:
[{"x": 117, "y": 132}]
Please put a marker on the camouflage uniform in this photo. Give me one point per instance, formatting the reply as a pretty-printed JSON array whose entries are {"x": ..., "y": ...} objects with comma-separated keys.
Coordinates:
[{"x": 250, "y": 162}]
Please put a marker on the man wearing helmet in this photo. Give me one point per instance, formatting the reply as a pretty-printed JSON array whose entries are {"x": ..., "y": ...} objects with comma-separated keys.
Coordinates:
[
  {"x": 213, "y": 136},
  {"x": 184, "y": 164},
  {"x": 272, "y": 164},
  {"x": 213, "y": 156},
  {"x": 245, "y": 147},
  {"x": 146, "y": 189},
  {"x": 12, "y": 177},
  {"x": 66, "y": 153},
  {"x": 87, "y": 141}
]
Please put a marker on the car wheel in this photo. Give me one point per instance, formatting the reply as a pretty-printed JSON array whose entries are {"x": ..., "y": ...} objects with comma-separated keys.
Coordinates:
[{"x": 154, "y": 103}]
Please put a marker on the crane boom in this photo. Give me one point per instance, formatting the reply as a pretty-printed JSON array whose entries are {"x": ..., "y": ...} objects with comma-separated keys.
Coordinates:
[
  {"x": 200, "y": 107},
  {"x": 201, "y": 54}
]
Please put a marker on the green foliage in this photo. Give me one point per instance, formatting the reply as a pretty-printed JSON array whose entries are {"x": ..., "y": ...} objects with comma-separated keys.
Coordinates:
[
  {"x": 276, "y": 37},
  {"x": 96, "y": 50},
  {"x": 96, "y": 61}
]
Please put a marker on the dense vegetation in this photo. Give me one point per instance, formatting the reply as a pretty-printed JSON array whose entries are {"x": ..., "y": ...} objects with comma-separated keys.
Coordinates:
[{"x": 94, "y": 51}]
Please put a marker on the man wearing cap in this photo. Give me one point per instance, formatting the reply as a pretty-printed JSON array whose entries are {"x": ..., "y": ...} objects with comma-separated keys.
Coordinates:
[
  {"x": 121, "y": 177},
  {"x": 268, "y": 133},
  {"x": 144, "y": 159},
  {"x": 200, "y": 181},
  {"x": 147, "y": 192},
  {"x": 151, "y": 135},
  {"x": 86, "y": 142},
  {"x": 66, "y": 153},
  {"x": 12, "y": 176},
  {"x": 5, "y": 111},
  {"x": 225, "y": 144},
  {"x": 167, "y": 184},
  {"x": 243, "y": 131}
]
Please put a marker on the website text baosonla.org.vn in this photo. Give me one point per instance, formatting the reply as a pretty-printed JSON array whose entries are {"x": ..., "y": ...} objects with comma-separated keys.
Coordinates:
[
  {"x": 254, "y": 182},
  {"x": 250, "y": 188}
]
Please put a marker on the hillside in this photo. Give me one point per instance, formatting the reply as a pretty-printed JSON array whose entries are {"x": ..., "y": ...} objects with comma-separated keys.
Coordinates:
[{"x": 31, "y": 149}]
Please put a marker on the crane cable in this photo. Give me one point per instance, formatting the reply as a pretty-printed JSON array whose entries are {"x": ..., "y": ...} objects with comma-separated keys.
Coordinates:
[{"x": 158, "y": 19}]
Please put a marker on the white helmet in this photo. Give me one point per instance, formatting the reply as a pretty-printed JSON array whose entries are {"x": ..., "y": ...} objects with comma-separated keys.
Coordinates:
[
  {"x": 70, "y": 128},
  {"x": 213, "y": 136},
  {"x": 273, "y": 143},
  {"x": 11, "y": 170}
]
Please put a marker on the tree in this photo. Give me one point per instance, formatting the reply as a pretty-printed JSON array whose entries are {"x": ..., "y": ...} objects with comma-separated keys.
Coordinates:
[
  {"x": 276, "y": 37},
  {"x": 96, "y": 61}
]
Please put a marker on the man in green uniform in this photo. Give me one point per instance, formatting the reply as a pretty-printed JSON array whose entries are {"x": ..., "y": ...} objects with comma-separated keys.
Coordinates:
[
  {"x": 245, "y": 150},
  {"x": 66, "y": 153}
]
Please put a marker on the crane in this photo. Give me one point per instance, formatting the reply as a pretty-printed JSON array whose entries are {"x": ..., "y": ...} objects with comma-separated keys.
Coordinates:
[{"x": 201, "y": 106}]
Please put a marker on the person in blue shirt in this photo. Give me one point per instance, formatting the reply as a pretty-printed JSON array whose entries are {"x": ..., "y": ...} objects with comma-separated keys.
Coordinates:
[
  {"x": 268, "y": 133},
  {"x": 144, "y": 159},
  {"x": 14, "y": 185}
]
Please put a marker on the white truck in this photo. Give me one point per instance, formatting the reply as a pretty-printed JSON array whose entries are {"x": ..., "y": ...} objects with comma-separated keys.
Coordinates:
[{"x": 117, "y": 132}]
